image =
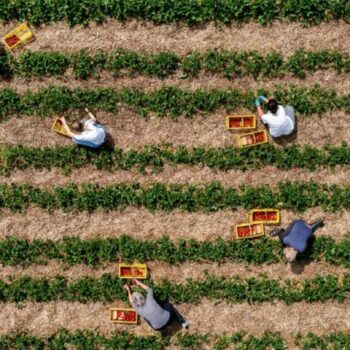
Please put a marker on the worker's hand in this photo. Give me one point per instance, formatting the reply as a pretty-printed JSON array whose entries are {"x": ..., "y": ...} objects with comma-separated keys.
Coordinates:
[
  {"x": 257, "y": 102},
  {"x": 126, "y": 287},
  {"x": 263, "y": 98},
  {"x": 63, "y": 120},
  {"x": 135, "y": 281},
  {"x": 86, "y": 110}
]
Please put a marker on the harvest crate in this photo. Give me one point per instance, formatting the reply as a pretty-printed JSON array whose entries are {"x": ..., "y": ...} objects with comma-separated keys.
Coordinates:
[
  {"x": 138, "y": 271},
  {"x": 121, "y": 315},
  {"x": 239, "y": 122},
  {"x": 267, "y": 216},
  {"x": 252, "y": 138},
  {"x": 17, "y": 36},
  {"x": 249, "y": 230},
  {"x": 57, "y": 126}
]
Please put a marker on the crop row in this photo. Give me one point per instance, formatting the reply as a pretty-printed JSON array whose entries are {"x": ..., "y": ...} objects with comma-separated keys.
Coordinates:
[
  {"x": 167, "y": 11},
  {"x": 155, "y": 157},
  {"x": 123, "y": 340},
  {"x": 167, "y": 100},
  {"x": 296, "y": 196},
  {"x": 108, "y": 288},
  {"x": 96, "y": 251},
  {"x": 121, "y": 62}
]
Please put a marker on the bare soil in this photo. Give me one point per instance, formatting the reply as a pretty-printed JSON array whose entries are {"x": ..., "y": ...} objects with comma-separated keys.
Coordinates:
[
  {"x": 142, "y": 224},
  {"x": 181, "y": 273},
  {"x": 138, "y": 35},
  {"x": 179, "y": 174},
  {"x": 43, "y": 319},
  {"x": 129, "y": 130}
]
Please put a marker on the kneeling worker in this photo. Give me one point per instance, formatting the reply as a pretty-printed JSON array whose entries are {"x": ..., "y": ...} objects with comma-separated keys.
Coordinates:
[
  {"x": 279, "y": 120},
  {"x": 157, "y": 316},
  {"x": 87, "y": 132},
  {"x": 296, "y": 237}
]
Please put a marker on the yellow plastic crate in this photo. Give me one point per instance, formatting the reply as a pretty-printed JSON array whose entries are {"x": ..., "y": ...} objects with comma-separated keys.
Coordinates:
[
  {"x": 57, "y": 126},
  {"x": 123, "y": 315},
  {"x": 241, "y": 121},
  {"x": 265, "y": 216},
  {"x": 252, "y": 138},
  {"x": 18, "y": 36},
  {"x": 127, "y": 271},
  {"x": 249, "y": 230}
]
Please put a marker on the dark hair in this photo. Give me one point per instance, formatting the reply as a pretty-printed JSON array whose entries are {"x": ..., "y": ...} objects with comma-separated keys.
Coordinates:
[
  {"x": 78, "y": 126},
  {"x": 272, "y": 105}
]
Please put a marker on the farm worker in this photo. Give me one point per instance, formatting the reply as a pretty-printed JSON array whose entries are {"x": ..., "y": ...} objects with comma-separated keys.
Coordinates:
[
  {"x": 279, "y": 120},
  {"x": 158, "y": 317},
  {"x": 296, "y": 237},
  {"x": 87, "y": 132}
]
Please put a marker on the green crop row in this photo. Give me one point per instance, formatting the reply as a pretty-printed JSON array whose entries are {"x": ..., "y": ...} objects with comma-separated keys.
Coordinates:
[
  {"x": 96, "y": 251},
  {"x": 123, "y": 340},
  {"x": 155, "y": 157},
  {"x": 165, "y": 101},
  {"x": 233, "y": 290},
  {"x": 296, "y": 196},
  {"x": 122, "y": 62},
  {"x": 168, "y": 11}
]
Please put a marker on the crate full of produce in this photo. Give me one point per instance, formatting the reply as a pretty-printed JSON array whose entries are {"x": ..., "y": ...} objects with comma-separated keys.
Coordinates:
[
  {"x": 128, "y": 271},
  {"x": 267, "y": 216},
  {"x": 18, "y": 36},
  {"x": 252, "y": 138},
  {"x": 239, "y": 122},
  {"x": 249, "y": 230},
  {"x": 122, "y": 315}
]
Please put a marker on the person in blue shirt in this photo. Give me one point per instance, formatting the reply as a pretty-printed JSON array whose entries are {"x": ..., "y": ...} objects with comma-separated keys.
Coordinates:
[
  {"x": 86, "y": 132},
  {"x": 296, "y": 237}
]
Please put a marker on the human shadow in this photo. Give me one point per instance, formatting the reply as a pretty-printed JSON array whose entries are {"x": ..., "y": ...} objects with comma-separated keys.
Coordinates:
[
  {"x": 284, "y": 140},
  {"x": 304, "y": 259}
]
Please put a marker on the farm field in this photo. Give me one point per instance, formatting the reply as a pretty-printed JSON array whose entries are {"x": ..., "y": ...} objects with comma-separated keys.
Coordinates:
[{"x": 162, "y": 77}]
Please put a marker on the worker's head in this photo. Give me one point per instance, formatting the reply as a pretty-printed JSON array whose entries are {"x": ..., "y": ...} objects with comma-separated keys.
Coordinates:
[
  {"x": 272, "y": 105},
  {"x": 78, "y": 126},
  {"x": 138, "y": 299},
  {"x": 290, "y": 254}
]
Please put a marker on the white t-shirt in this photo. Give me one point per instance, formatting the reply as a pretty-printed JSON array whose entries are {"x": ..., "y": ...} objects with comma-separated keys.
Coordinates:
[
  {"x": 92, "y": 133},
  {"x": 279, "y": 123}
]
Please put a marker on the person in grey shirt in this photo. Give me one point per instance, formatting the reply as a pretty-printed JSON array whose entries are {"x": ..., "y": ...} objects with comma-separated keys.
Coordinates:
[{"x": 157, "y": 316}]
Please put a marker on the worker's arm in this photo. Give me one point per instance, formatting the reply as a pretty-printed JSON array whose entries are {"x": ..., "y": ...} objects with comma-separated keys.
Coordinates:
[
  {"x": 127, "y": 288},
  {"x": 91, "y": 116},
  {"x": 258, "y": 107},
  {"x": 66, "y": 127},
  {"x": 140, "y": 284}
]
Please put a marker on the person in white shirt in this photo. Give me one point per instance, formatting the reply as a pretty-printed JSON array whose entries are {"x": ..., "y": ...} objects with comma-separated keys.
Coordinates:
[
  {"x": 279, "y": 120},
  {"x": 87, "y": 132}
]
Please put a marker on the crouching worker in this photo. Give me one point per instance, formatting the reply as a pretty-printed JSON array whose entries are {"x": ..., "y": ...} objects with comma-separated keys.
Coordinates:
[
  {"x": 279, "y": 120},
  {"x": 86, "y": 132},
  {"x": 296, "y": 237},
  {"x": 157, "y": 316}
]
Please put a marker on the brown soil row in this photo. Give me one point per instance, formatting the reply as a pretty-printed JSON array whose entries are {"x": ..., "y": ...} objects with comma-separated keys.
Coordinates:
[
  {"x": 43, "y": 319},
  {"x": 142, "y": 224},
  {"x": 326, "y": 79},
  {"x": 129, "y": 130},
  {"x": 179, "y": 274},
  {"x": 138, "y": 35},
  {"x": 181, "y": 174}
]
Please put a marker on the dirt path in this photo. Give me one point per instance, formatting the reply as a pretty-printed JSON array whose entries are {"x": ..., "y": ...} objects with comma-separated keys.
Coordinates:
[
  {"x": 137, "y": 35},
  {"x": 182, "y": 272},
  {"x": 141, "y": 224},
  {"x": 339, "y": 82},
  {"x": 177, "y": 174},
  {"x": 129, "y": 130},
  {"x": 46, "y": 318}
]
